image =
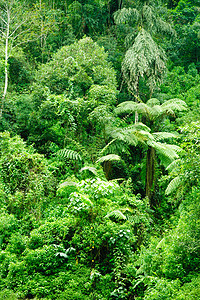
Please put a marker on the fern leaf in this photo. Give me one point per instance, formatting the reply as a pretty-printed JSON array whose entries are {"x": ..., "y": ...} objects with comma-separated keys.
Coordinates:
[
  {"x": 174, "y": 185},
  {"x": 167, "y": 153},
  {"x": 67, "y": 183},
  {"x": 153, "y": 102},
  {"x": 90, "y": 169},
  {"x": 174, "y": 165},
  {"x": 164, "y": 135},
  {"x": 173, "y": 105},
  {"x": 114, "y": 146},
  {"x": 116, "y": 214},
  {"x": 69, "y": 154},
  {"x": 109, "y": 157}
]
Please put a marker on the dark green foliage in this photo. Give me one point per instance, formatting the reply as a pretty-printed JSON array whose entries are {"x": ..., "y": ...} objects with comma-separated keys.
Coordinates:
[{"x": 68, "y": 228}]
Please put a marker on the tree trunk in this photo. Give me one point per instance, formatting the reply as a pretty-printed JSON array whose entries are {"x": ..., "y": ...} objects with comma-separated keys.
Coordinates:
[
  {"x": 6, "y": 62},
  {"x": 150, "y": 175}
]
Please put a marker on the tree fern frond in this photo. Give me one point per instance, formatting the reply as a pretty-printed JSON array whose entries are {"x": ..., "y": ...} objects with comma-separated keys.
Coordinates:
[
  {"x": 140, "y": 126},
  {"x": 166, "y": 152},
  {"x": 131, "y": 107},
  {"x": 152, "y": 102},
  {"x": 174, "y": 185},
  {"x": 164, "y": 135},
  {"x": 69, "y": 154},
  {"x": 109, "y": 157},
  {"x": 117, "y": 215},
  {"x": 122, "y": 134},
  {"x": 173, "y": 105},
  {"x": 67, "y": 183},
  {"x": 174, "y": 165},
  {"x": 90, "y": 169},
  {"x": 126, "y": 107},
  {"x": 114, "y": 146}
]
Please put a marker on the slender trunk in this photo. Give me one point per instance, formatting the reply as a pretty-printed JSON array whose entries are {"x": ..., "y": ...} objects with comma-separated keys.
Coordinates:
[
  {"x": 6, "y": 63},
  {"x": 136, "y": 117},
  {"x": 137, "y": 97},
  {"x": 150, "y": 175}
]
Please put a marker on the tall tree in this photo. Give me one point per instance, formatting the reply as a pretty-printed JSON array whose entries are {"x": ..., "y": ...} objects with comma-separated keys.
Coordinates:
[
  {"x": 13, "y": 29},
  {"x": 153, "y": 113},
  {"x": 144, "y": 59}
]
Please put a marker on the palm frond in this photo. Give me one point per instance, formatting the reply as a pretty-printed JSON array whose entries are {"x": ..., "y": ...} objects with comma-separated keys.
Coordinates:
[
  {"x": 109, "y": 157},
  {"x": 148, "y": 16},
  {"x": 164, "y": 27},
  {"x": 174, "y": 185}
]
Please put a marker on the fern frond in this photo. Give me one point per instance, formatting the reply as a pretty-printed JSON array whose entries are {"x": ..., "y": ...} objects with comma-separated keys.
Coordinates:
[
  {"x": 116, "y": 214},
  {"x": 174, "y": 165},
  {"x": 131, "y": 107},
  {"x": 167, "y": 153},
  {"x": 109, "y": 157},
  {"x": 122, "y": 134},
  {"x": 140, "y": 126},
  {"x": 67, "y": 183},
  {"x": 173, "y": 105},
  {"x": 164, "y": 135},
  {"x": 90, "y": 169},
  {"x": 174, "y": 185},
  {"x": 69, "y": 154},
  {"x": 152, "y": 102}
]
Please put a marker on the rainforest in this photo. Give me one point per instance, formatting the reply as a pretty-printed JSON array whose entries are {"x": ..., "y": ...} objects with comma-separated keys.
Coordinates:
[{"x": 100, "y": 149}]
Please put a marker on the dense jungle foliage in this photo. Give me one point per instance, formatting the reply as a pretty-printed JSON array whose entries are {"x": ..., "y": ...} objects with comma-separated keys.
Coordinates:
[{"x": 99, "y": 149}]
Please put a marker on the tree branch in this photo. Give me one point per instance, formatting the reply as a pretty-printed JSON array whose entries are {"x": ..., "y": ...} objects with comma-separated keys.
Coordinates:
[
  {"x": 3, "y": 20},
  {"x": 16, "y": 29}
]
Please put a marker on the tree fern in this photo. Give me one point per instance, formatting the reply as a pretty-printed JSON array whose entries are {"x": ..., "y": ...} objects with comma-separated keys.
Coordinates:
[{"x": 152, "y": 110}]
